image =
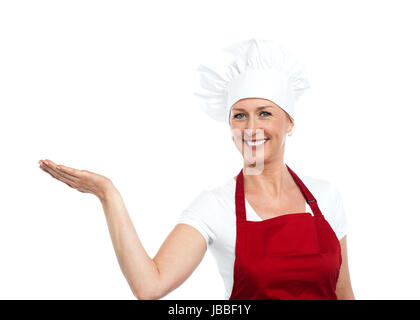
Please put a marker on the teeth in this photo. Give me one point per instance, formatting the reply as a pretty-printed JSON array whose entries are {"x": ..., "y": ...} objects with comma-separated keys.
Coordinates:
[{"x": 255, "y": 143}]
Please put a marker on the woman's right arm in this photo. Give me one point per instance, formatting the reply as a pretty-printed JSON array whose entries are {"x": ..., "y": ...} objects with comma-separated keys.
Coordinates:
[{"x": 179, "y": 255}]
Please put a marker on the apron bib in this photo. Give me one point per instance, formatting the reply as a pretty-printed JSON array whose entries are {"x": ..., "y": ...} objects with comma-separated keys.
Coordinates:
[{"x": 291, "y": 256}]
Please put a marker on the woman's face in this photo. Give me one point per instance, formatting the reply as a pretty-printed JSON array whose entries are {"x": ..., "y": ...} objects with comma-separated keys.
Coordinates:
[{"x": 262, "y": 121}]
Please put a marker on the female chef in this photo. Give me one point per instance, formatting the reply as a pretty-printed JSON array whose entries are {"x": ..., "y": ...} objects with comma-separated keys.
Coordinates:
[{"x": 274, "y": 235}]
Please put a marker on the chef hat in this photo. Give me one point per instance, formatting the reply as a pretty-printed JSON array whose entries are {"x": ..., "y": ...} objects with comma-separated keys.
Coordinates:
[{"x": 252, "y": 68}]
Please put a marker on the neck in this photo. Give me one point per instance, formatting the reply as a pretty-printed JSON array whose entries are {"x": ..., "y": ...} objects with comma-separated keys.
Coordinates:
[{"x": 274, "y": 181}]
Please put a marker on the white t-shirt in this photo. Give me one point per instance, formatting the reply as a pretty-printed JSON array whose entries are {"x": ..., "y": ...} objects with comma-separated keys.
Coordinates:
[{"x": 212, "y": 213}]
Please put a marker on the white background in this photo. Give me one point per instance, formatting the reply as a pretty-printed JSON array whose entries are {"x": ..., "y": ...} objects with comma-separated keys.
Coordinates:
[{"x": 107, "y": 86}]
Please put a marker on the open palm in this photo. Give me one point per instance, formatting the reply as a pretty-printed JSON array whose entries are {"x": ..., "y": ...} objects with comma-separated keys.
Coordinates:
[{"x": 81, "y": 180}]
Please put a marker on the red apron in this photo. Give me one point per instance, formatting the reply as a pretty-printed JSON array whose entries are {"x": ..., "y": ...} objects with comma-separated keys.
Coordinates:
[{"x": 291, "y": 256}]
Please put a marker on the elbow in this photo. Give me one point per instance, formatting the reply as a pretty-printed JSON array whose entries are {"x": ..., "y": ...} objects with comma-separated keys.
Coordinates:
[
  {"x": 140, "y": 295},
  {"x": 345, "y": 294},
  {"x": 146, "y": 295},
  {"x": 148, "y": 290}
]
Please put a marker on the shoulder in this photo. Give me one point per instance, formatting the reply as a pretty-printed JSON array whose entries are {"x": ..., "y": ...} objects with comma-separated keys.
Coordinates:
[
  {"x": 323, "y": 190},
  {"x": 210, "y": 212},
  {"x": 208, "y": 200}
]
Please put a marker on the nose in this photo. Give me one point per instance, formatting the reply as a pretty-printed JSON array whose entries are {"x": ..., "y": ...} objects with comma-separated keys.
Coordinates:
[
  {"x": 251, "y": 123},
  {"x": 252, "y": 128}
]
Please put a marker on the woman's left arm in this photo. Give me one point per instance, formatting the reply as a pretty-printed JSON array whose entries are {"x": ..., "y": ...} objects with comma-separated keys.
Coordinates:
[{"x": 344, "y": 290}]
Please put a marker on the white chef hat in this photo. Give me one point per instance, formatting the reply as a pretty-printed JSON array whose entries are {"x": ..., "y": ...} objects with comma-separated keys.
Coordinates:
[{"x": 253, "y": 68}]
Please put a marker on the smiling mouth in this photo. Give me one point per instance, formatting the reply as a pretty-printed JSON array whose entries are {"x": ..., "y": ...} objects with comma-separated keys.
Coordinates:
[{"x": 254, "y": 143}]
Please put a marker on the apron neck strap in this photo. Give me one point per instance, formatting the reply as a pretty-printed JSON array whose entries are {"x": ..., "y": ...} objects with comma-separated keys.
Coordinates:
[
  {"x": 240, "y": 195},
  {"x": 310, "y": 199}
]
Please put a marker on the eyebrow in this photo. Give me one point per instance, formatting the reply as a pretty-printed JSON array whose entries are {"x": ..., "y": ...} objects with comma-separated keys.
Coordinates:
[{"x": 259, "y": 108}]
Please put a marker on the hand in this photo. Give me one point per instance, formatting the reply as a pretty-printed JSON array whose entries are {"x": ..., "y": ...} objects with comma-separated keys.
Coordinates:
[{"x": 81, "y": 180}]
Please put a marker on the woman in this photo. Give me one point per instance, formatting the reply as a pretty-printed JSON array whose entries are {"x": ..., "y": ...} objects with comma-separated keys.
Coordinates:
[{"x": 286, "y": 239}]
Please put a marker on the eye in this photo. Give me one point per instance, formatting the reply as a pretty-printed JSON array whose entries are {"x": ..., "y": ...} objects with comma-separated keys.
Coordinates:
[
  {"x": 266, "y": 113},
  {"x": 238, "y": 114}
]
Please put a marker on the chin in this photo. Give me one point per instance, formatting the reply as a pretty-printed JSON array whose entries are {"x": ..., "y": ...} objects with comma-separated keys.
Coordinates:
[{"x": 253, "y": 161}]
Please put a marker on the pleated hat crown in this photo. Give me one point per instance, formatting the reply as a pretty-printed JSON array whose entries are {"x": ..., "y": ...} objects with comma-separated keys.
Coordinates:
[{"x": 256, "y": 68}]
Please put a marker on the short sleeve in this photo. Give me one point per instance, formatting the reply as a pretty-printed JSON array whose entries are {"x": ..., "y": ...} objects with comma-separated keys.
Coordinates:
[
  {"x": 340, "y": 219},
  {"x": 199, "y": 215}
]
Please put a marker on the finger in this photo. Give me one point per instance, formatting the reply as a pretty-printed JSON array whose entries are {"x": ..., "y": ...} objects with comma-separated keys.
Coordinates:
[
  {"x": 59, "y": 177},
  {"x": 59, "y": 173},
  {"x": 50, "y": 163},
  {"x": 69, "y": 173},
  {"x": 66, "y": 175}
]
